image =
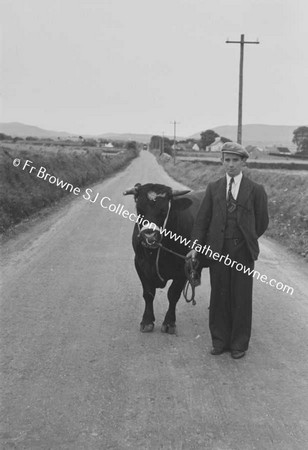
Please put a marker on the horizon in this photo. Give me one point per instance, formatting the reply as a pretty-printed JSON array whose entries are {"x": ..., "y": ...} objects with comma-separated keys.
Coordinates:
[{"x": 146, "y": 133}]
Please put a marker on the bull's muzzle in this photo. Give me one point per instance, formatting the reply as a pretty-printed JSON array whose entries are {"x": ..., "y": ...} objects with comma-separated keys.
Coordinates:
[{"x": 149, "y": 237}]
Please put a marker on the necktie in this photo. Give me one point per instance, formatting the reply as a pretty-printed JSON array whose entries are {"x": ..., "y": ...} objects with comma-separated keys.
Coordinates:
[{"x": 231, "y": 203}]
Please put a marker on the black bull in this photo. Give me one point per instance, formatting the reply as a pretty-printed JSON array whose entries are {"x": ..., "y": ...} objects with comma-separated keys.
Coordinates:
[{"x": 159, "y": 207}]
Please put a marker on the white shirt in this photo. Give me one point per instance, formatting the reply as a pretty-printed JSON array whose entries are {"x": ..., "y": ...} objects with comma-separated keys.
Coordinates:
[{"x": 235, "y": 185}]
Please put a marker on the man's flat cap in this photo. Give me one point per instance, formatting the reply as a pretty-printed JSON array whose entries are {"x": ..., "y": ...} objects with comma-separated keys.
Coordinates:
[{"x": 236, "y": 149}]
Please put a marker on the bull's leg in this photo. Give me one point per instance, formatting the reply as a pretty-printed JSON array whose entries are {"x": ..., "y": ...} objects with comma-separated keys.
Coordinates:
[
  {"x": 148, "y": 318},
  {"x": 174, "y": 293}
]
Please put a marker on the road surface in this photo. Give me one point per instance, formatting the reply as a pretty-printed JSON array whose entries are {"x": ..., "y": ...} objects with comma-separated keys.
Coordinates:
[{"x": 78, "y": 374}]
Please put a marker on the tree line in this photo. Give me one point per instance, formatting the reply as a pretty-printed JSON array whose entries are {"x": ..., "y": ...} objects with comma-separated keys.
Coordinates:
[
  {"x": 207, "y": 138},
  {"x": 300, "y": 138},
  {"x": 82, "y": 141}
]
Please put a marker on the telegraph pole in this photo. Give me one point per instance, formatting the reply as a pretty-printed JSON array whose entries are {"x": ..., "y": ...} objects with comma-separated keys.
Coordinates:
[
  {"x": 174, "y": 138},
  {"x": 242, "y": 42},
  {"x": 162, "y": 144}
]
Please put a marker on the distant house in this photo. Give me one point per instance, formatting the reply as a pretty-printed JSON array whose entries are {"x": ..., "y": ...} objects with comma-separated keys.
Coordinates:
[
  {"x": 215, "y": 146},
  {"x": 252, "y": 148},
  {"x": 109, "y": 145},
  {"x": 254, "y": 151},
  {"x": 165, "y": 156},
  {"x": 278, "y": 150},
  {"x": 284, "y": 150},
  {"x": 196, "y": 148},
  {"x": 75, "y": 138}
]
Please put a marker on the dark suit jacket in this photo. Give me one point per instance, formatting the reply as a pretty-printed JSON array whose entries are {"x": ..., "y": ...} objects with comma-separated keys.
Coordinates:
[{"x": 252, "y": 215}]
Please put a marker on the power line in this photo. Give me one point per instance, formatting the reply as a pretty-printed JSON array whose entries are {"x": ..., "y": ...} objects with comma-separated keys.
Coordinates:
[
  {"x": 162, "y": 147},
  {"x": 174, "y": 138},
  {"x": 242, "y": 42}
]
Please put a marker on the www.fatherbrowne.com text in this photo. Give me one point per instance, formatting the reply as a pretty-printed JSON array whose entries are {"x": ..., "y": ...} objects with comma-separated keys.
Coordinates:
[
  {"x": 207, "y": 251},
  {"x": 105, "y": 203}
]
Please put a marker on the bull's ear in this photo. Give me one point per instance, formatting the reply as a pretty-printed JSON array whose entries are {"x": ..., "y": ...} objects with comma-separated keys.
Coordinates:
[
  {"x": 132, "y": 191},
  {"x": 176, "y": 192}
]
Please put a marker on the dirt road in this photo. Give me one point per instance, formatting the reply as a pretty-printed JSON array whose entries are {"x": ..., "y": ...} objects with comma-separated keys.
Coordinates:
[{"x": 78, "y": 374}]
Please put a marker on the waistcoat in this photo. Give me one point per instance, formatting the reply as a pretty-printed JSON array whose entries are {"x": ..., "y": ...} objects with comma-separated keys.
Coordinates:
[{"x": 232, "y": 230}]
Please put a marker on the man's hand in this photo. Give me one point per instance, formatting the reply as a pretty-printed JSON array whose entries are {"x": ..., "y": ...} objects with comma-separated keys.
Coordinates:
[{"x": 192, "y": 254}]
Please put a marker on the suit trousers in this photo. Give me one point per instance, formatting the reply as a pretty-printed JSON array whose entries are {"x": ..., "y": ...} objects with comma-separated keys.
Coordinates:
[{"x": 231, "y": 299}]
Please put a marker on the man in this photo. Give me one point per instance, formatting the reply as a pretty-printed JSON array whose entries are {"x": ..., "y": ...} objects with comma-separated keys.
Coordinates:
[{"x": 231, "y": 218}]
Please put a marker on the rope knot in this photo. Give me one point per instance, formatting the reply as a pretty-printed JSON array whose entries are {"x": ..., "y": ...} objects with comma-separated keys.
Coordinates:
[{"x": 193, "y": 279}]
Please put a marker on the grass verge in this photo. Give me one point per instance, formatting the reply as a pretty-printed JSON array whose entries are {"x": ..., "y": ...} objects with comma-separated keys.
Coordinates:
[
  {"x": 24, "y": 194},
  {"x": 287, "y": 197}
]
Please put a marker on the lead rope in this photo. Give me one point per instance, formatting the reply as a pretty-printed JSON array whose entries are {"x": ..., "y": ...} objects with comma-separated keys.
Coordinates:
[
  {"x": 158, "y": 253},
  {"x": 160, "y": 246},
  {"x": 190, "y": 267},
  {"x": 193, "y": 278}
]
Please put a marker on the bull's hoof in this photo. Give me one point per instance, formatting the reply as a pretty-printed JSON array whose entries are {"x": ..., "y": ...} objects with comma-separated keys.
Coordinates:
[
  {"x": 146, "y": 328},
  {"x": 166, "y": 328}
]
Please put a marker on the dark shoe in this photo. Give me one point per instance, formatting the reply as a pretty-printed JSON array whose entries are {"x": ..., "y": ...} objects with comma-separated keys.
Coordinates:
[
  {"x": 216, "y": 351},
  {"x": 237, "y": 354}
]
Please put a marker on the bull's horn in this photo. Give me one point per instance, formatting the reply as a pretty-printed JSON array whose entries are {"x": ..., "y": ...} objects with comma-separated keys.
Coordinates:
[
  {"x": 176, "y": 192},
  {"x": 132, "y": 191}
]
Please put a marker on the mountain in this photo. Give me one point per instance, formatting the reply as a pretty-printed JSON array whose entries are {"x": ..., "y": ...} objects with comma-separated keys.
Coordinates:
[
  {"x": 22, "y": 130},
  {"x": 257, "y": 134},
  {"x": 254, "y": 134}
]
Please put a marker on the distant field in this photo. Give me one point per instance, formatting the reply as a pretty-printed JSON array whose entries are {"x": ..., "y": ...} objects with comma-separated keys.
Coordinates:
[
  {"x": 216, "y": 155},
  {"x": 53, "y": 147},
  {"x": 259, "y": 163},
  {"x": 265, "y": 161},
  {"x": 24, "y": 193}
]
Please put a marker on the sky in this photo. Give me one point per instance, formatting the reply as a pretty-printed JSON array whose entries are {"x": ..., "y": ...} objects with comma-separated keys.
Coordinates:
[{"x": 98, "y": 66}]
